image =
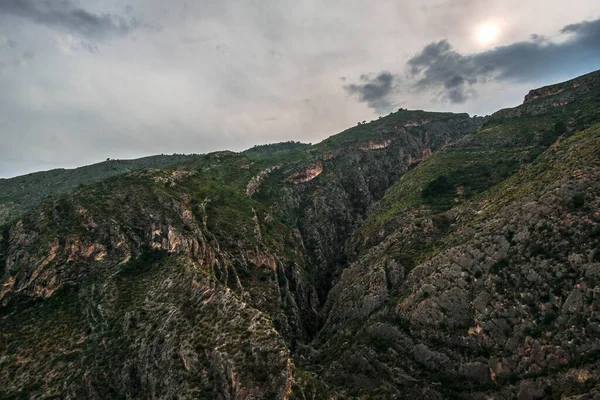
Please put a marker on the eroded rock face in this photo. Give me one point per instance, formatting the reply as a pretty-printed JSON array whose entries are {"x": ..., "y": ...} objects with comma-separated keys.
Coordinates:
[
  {"x": 371, "y": 145},
  {"x": 254, "y": 184},
  {"x": 531, "y": 391},
  {"x": 506, "y": 297},
  {"x": 155, "y": 306},
  {"x": 419, "y": 122},
  {"x": 307, "y": 174}
]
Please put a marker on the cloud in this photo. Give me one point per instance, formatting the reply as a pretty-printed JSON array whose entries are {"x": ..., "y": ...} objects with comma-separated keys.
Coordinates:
[
  {"x": 147, "y": 79},
  {"x": 441, "y": 68},
  {"x": 377, "y": 92},
  {"x": 70, "y": 44},
  {"x": 65, "y": 15},
  {"x": 7, "y": 43},
  {"x": 10, "y": 55}
]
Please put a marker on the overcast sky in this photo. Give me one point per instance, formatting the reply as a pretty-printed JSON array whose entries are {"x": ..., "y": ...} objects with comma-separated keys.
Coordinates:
[{"x": 84, "y": 80}]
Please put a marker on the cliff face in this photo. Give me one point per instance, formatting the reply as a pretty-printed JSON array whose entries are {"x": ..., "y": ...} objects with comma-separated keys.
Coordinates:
[
  {"x": 431, "y": 255},
  {"x": 473, "y": 277},
  {"x": 125, "y": 289},
  {"x": 506, "y": 290}
]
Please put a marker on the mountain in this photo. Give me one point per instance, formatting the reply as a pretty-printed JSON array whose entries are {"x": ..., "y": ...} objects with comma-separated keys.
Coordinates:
[
  {"x": 425, "y": 255},
  {"x": 20, "y": 194}
]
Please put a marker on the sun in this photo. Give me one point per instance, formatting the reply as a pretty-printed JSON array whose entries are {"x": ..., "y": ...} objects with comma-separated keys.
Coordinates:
[{"x": 487, "y": 33}]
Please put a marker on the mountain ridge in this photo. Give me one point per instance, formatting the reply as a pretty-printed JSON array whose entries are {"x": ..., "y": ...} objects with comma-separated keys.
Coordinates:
[{"x": 428, "y": 255}]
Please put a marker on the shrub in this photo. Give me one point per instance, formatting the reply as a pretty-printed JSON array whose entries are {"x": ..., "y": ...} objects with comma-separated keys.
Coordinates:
[
  {"x": 441, "y": 222},
  {"x": 578, "y": 201},
  {"x": 548, "y": 317},
  {"x": 560, "y": 128},
  {"x": 439, "y": 186},
  {"x": 537, "y": 250},
  {"x": 500, "y": 265}
]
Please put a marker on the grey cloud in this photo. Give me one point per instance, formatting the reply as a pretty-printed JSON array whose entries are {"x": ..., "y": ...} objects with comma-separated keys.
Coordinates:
[
  {"x": 23, "y": 59},
  {"x": 578, "y": 27},
  {"x": 160, "y": 86},
  {"x": 439, "y": 67},
  {"x": 7, "y": 43},
  {"x": 377, "y": 92},
  {"x": 70, "y": 44},
  {"x": 537, "y": 38},
  {"x": 64, "y": 14},
  {"x": 11, "y": 56}
]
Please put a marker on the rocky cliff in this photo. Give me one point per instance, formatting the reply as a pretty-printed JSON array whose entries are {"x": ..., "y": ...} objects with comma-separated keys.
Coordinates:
[{"x": 427, "y": 255}]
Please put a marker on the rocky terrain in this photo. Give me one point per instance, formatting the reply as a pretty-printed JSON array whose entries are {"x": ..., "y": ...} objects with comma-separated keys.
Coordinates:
[{"x": 422, "y": 255}]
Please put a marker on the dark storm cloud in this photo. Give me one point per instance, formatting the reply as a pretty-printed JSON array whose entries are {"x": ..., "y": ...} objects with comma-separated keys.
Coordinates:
[
  {"x": 439, "y": 67},
  {"x": 64, "y": 14},
  {"x": 376, "y": 92}
]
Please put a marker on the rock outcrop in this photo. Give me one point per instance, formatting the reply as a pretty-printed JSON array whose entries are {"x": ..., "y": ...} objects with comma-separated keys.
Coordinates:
[{"x": 307, "y": 174}]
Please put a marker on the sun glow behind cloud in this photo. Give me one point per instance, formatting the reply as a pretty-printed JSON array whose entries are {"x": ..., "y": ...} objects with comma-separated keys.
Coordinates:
[{"x": 487, "y": 33}]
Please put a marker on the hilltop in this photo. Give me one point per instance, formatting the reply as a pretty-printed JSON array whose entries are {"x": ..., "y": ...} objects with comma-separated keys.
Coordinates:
[{"x": 21, "y": 193}]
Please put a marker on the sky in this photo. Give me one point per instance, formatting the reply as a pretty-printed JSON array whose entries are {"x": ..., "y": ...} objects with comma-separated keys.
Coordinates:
[{"x": 82, "y": 81}]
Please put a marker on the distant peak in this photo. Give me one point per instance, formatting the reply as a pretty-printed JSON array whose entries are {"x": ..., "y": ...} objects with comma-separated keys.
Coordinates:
[{"x": 584, "y": 82}]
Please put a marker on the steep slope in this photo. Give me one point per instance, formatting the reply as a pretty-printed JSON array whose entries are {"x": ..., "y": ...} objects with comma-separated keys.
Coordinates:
[
  {"x": 476, "y": 273},
  {"x": 425, "y": 255},
  {"x": 17, "y": 195},
  {"x": 199, "y": 279},
  {"x": 354, "y": 169}
]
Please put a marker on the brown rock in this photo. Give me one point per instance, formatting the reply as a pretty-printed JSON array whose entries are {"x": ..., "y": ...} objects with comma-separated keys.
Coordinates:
[{"x": 531, "y": 391}]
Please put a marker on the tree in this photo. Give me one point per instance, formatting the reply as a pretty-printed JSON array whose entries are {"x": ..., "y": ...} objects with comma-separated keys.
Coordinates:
[
  {"x": 560, "y": 128},
  {"x": 440, "y": 185}
]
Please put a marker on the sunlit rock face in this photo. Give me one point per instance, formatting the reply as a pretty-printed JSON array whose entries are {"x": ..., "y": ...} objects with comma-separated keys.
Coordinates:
[
  {"x": 306, "y": 175},
  {"x": 375, "y": 146},
  {"x": 425, "y": 255}
]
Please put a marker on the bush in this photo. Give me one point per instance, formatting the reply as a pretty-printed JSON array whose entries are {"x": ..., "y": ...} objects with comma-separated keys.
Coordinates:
[
  {"x": 548, "y": 318},
  {"x": 441, "y": 222},
  {"x": 578, "y": 201},
  {"x": 143, "y": 263},
  {"x": 560, "y": 128},
  {"x": 439, "y": 186},
  {"x": 500, "y": 265},
  {"x": 537, "y": 250}
]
